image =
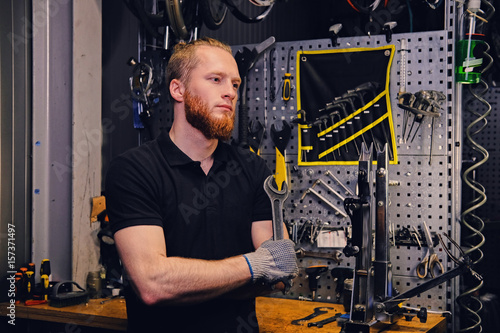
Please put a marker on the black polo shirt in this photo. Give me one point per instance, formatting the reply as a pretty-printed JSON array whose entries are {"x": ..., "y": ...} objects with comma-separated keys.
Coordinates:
[{"x": 202, "y": 216}]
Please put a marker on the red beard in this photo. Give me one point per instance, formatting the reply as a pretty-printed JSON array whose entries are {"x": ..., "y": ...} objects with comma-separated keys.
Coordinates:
[{"x": 199, "y": 116}]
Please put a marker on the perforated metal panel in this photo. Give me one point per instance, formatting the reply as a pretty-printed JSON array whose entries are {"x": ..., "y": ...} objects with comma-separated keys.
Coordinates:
[{"x": 424, "y": 193}]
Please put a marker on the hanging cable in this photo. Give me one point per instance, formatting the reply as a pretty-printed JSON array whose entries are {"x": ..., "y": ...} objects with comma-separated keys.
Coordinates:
[{"x": 472, "y": 224}]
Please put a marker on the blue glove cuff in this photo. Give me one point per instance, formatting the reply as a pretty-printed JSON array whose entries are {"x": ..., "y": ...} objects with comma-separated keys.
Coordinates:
[{"x": 249, "y": 266}]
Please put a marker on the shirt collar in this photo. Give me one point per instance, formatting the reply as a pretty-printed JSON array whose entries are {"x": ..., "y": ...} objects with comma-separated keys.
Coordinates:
[{"x": 175, "y": 157}]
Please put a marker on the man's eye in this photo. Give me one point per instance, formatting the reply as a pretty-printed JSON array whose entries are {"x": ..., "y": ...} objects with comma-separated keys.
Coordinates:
[{"x": 216, "y": 79}]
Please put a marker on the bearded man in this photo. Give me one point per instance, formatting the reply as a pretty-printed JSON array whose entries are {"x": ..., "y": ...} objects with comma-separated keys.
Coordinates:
[{"x": 191, "y": 221}]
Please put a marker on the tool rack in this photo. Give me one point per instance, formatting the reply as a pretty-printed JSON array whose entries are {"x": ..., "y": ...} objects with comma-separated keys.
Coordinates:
[{"x": 424, "y": 192}]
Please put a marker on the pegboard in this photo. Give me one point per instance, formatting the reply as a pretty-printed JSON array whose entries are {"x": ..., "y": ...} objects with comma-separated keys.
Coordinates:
[{"x": 425, "y": 184}]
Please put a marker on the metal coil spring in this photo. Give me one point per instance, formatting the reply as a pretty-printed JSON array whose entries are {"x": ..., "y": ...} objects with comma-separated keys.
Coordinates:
[{"x": 473, "y": 225}]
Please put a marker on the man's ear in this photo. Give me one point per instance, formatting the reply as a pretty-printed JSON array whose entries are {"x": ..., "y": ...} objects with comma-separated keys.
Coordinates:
[{"x": 177, "y": 90}]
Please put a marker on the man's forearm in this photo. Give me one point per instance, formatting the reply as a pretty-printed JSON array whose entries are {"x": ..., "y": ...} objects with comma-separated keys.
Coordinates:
[{"x": 185, "y": 281}]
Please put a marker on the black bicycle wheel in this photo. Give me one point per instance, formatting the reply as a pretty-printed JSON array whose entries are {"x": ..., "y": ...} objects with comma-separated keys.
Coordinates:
[
  {"x": 213, "y": 13},
  {"x": 182, "y": 17},
  {"x": 247, "y": 18}
]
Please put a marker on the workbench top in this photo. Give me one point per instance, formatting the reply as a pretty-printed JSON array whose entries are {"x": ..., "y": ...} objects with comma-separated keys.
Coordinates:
[{"x": 274, "y": 315}]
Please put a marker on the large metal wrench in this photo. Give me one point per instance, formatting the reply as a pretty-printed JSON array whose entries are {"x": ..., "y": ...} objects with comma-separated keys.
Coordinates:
[{"x": 277, "y": 199}]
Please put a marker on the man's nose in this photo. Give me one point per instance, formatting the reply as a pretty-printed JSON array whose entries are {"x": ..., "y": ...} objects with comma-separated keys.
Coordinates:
[{"x": 230, "y": 92}]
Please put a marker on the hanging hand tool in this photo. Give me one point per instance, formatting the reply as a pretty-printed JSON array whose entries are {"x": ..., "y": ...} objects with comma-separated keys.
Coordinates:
[
  {"x": 322, "y": 139},
  {"x": 144, "y": 90},
  {"x": 323, "y": 199},
  {"x": 287, "y": 80},
  {"x": 333, "y": 31},
  {"x": 416, "y": 235},
  {"x": 402, "y": 84},
  {"x": 358, "y": 95},
  {"x": 339, "y": 275},
  {"x": 256, "y": 135},
  {"x": 278, "y": 198},
  {"x": 336, "y": 114},
  {"x": 387, "y": 30},
  {"x": 314, "y": 273},
  {"x": 329, "y": 188},
  {"x": 300, "y": 118},
  {"x": 335, "y": 256},
  {"x": 426, "y": 266},
  {"x": 245, "y": 60},
  {"x": 349, "y": 98},
  {"x": 338, "y": 182},
  {"x": 350, "y": 129},
  {"x": 302, "y": 230},
  {"x": 335, "y": 133},
  {"x": 304, "y": 133},
  {"x": 272, "y": 79},
  {"x": 280, "y": 139},
  {"x": 421, "y": 104},
  {"x": 329, "y": 137}
]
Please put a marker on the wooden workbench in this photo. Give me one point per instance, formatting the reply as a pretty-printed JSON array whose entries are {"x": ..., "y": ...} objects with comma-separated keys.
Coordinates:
[{"x": 274, "y": 315}]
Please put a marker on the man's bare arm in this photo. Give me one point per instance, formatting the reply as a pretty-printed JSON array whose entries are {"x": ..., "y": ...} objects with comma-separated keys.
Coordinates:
[{"x": 159, "y": 279}]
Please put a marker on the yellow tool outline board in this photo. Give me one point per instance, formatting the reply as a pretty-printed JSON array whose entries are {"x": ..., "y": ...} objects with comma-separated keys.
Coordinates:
[{"x": 382, "y": 97}]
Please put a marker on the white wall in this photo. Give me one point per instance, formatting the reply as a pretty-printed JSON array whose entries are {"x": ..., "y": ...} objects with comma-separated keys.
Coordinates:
[{"x": 67, "y": 135}]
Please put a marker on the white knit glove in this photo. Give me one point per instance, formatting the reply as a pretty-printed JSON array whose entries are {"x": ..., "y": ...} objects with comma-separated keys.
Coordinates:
[{"x": 273, "y": 261}]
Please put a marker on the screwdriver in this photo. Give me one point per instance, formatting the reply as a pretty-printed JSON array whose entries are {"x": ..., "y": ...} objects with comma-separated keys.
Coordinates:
[
  {"x": 31, "y": 267},
  {"x": 24, "y": 281},
  {"x": 45, "y": 277},
  {"x": 19, "y": 286},
  {"x": 45, "y": 268},
  {"x": 287, "y": 79},
  {"x": 45, "y": 286},
  {"x": 30, "y": 284}
]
